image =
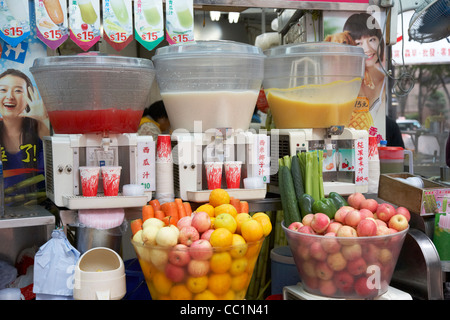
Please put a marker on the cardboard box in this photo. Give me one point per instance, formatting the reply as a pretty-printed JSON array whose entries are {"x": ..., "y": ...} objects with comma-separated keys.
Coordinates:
[{"x": 424, "y": 201}]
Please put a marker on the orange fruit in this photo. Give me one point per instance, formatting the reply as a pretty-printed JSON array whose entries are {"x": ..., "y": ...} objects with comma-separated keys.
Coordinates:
[
  {"x": 218, "y": 197},
  {"x": 239, "y": 246},
  {"x": 241, "y": 217},
  {"x": 229, "y": 295},
  {"x": 240, "y": 281},
  {"x": 180, "y": 292},
  {"x": 219, "y": 283},
  {"x": 220, "y": 262},
  {"x": 161, "y": 283},
  {"x": 205, "y": 295},
  {"x": 252, "y": 230},
  {"x": 238, "y": 266},
  {"x": 209, "y": 209},
  {"x": 265, "y": 222},
  {"x": 221, "y": 237},
  {"x": 225, "y": 208},
  {"x": 197, "y": 284},
  {"x": 225, "y": 220}
]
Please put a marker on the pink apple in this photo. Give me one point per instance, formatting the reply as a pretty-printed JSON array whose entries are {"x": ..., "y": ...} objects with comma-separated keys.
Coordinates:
[
  {"x": 307, "y": 219},
  {"x": 385, "y": 211},
  {"x": 306, "y": 229},
  {"x": 357, "y": 267},
  {"x": 351, "y": 252},
  {"x": 367, "y": 228},
  {"x": 333, "y": 227},
  {"x": 174, "y": 273},
  {"x": 385, "y": 256},
  {"x": 198, "y": 268},
  {"x": 329, "y": 243},
  {"x": 370, "y": 253},
  {"x": 398, "y": 222},
  {"x": 366, "y": 213},
  {"x": 188, "y": 235},
  {"x": 369, "y": 204},
  {"x": 179, "y": 255},
  {"x": 184, "y": 222},
  {"x": 353, "y": 218},
  {"x": 346, "y": 231},
  {"x": 295, "y": 226},
  {"x": 311, "y": 282},
  {"x": 323, "y": 271},
  {"x": 327, "y": 287},
  {"x": 317, "y": 252},
  {"x": 201, "y": 221},
  {"x": 383, "y": 230},
  {"x": 405, "y": 212},
  {"x": 344, "y": 281},
  {"x": 365, "y": 288},
  {"x": 207, "y": 234},
  {"x": 380, "y": 222},
  {"x": 336, "y": 261},
  {"x": 201, "y": 250},
  {"x": 303, "y": 252},
  {"x": 355, "y": 199},
  {"x": 340, "y": 214},
  {"x": 320, "y": 222},
  {"x": 309, "y": 268}
]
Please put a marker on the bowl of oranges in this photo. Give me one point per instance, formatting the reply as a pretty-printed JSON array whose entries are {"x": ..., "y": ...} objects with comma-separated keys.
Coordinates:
[{"x": 206, "y": 254}]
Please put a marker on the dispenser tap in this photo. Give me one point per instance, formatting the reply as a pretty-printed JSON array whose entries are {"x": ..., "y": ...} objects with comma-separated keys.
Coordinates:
[{"x": 106, "y": 142}]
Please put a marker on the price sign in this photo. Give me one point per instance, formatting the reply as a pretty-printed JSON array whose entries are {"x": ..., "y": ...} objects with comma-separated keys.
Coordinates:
[
  {"x": 14, "y": 21},
  {"x": 117, "y": 23},
  {"x": 149, "y": 22},
  {"x": 179, "y": 21},
  {"x": 51, "y": 22},
  {"x": 84, "y": 22}
]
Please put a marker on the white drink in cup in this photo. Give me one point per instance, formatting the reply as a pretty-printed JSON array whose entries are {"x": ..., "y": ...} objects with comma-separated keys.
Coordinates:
[
  {"x": 111, "y": 180},
  {"x": 89, "y": 180},
  {"x": 233, "y": 174},
  {"x": 213, "y": 174}
]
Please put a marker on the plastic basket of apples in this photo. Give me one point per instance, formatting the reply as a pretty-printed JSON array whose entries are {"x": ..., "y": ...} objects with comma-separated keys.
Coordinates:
[
  {"x": 352, "y": 255},
  {"x": 201, "y": 257}
]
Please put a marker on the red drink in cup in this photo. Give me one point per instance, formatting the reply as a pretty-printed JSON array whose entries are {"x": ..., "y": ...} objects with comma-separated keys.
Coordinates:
[
  {"x": 233, "y": 174},
  {"x": 111, "y": 180},
  {"x": 213, "y": 174},
  {"x": 89, "y": 180}
]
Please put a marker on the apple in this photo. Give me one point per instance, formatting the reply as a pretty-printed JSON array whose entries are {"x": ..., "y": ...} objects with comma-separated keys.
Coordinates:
[
  {"x": 137, "y": 237},
  {"x": 309, "y": 268},
  {"x": 317, "y": 252},
  {"x": 336, "y": 261},
  {"x": 369, "y": 204},
  {"x": 153, "y": 221},
  {"x": 352, "y": 252},
  {"x": 207, "y": 234},
  {"x": 333, "y": 227},
  {"x": 198, "y": 268},
  {"x": 383, "y": 230},
  {"x": 201, "y": 250},
  {"x": 366, "y": 213},
  {"x": 323, "y": 271},
  {"x": 167, "y": 236},
  {"x": 329, "y": 243},
  {"x": 174, "y": 273},
  {"x": 357, "y": 266},
  {"x": 385, "y": 256},
  {"x": 405, "y": 212},
  {"x": 179, "y": 255},
  {"x": 367, "y": 228},
  {"x": 353, "y": 218},
  {"x": 159, "y": 258},
  {"x": 201, "y": 221},
  {"x": 311, "y": 282},
  {"x": 303, "y": 252},
  {"x": 364, "y": 288},
  {"x": 149, "y": 234},
  {"x": 306, "y": 229},
  {"x": 398, "y": 222},
  {"x": 370, "y": 253},
  {"x": 295, "y": 225},
  {"x": 344, "y": 281},
  {"x": 346, "y": 231},
  {"x": 340, "y": 214},
  {"x": 320, "y": 222},
  {"x": 307, "y": 219},
  {"x": 385, "y": 211},
  {"x": 188, "y": 235},
  {"x": 355, "y": 199},
  {"x": 184, "y": 222},
  {"x": 327, "y": 287},
  {"x": 380, "y": 223}
]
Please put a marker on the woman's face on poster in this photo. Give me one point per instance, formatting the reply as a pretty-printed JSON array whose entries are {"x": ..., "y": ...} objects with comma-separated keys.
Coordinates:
[
  {"x": 370, "y": 45},
  {"x": 13, "y": 93}
]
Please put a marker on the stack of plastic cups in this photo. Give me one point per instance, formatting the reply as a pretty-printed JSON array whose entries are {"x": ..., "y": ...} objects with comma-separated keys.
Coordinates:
[
  {"x": 164, "y": 169},
  {"x": 374, "y": 165}
]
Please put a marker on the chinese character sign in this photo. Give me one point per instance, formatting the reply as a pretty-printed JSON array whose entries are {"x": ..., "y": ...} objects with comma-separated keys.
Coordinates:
[{"x": 146, "y": 165}]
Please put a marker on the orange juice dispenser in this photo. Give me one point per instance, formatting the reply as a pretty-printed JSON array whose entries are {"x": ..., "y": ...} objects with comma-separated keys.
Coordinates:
[
  {"x": 95, "y": 103},
  {"x": 311, "y": 89}
]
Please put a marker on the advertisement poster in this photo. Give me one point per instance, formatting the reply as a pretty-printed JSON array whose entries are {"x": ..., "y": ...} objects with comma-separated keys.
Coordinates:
[
  {"x": 149, "y": 22},
  {"x": 51, "y": 22},
  {"x": 14, "y": 21},
  {"x": 117, "y": 23},
  {"x": 24, "y": 120},
  {"x": 84, "y": 22},
  {"x": 179, "y": 21},
  {"x": 364, "y": 29}
]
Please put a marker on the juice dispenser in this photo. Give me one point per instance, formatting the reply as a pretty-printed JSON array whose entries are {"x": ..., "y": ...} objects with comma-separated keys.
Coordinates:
[{"x": 311, "y": 89}]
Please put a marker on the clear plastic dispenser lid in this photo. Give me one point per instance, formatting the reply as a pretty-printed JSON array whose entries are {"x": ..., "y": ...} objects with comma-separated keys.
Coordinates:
[{"x": 314, "y": 49}]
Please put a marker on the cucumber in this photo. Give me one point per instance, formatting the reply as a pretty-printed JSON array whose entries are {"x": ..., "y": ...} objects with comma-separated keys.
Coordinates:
[
  {"x": 291, "y": 210},
  {"x": 297, "y": 177}
]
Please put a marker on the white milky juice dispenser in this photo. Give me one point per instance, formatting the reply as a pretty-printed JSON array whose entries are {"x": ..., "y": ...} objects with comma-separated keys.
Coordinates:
[{"x": 311, "y": 89}]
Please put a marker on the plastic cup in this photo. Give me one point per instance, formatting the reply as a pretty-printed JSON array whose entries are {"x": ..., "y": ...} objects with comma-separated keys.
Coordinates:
[
  {"x": 111, "y": 180},
  {"x": 89, "y": 180},
  {"x": 163, "y": 148},
  {"x": 213, "y": 174},
  {"x": 233, "y": 174}
]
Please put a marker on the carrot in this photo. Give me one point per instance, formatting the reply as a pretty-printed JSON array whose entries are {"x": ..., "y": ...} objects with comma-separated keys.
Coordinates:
[
  {"x": 159, "y": 214},
  {"x": 187, "y": 208},
  {"x": 136, "y": 225},
  {"x": 147, "y": 212},
  {"x": 236, "y": 203},
  {"x": 180, "y": 208},
  {"x": 170, "y": 209},
  {"x": 155, "y": 204},
  {"x": 244, "y": 206}
]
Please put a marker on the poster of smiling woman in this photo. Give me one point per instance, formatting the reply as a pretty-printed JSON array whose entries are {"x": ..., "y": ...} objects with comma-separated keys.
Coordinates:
[
  {"x": 364, "y": 29},
  {"x": 23, "y": 120}
]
